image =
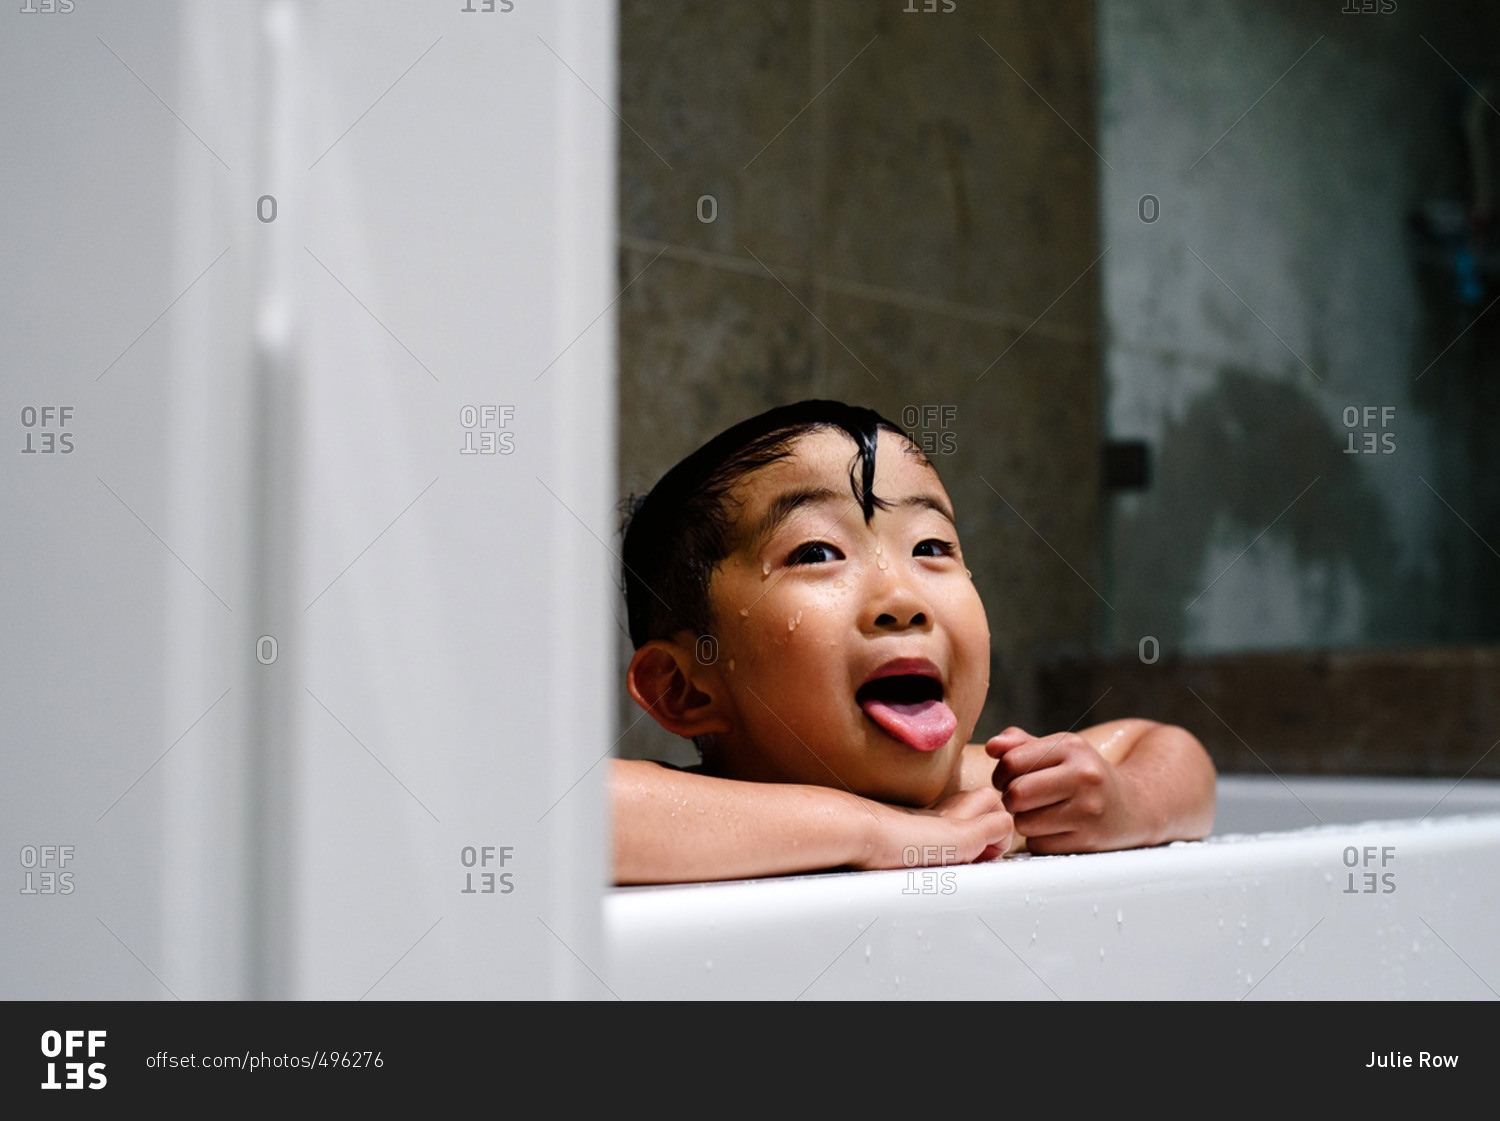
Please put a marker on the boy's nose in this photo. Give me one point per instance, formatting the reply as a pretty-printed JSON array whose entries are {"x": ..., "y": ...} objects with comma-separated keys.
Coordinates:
[
  {"x": 897, "y": 606},
  {"x": 901, "y": 621}
]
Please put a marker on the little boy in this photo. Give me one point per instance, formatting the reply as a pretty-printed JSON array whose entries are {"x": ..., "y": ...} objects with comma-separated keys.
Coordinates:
[{"x": 801, "y": 610}]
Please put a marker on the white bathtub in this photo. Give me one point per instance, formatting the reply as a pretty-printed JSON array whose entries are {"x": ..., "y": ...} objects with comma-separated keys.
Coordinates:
[{"x": 1274, "y": 905}]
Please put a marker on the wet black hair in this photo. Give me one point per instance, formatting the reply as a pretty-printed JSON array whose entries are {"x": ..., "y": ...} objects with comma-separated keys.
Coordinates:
[{"x": 682, "y": 530}]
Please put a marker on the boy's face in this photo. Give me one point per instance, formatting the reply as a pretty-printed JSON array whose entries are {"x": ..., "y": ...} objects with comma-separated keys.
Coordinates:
[{"x": 854, "y": 655}]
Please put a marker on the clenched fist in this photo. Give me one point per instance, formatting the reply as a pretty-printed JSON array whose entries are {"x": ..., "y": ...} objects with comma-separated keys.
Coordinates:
[{"x": 1063, "y": 794}]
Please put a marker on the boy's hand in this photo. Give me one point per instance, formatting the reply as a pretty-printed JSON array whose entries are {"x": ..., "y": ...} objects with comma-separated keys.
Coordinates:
[
  {"x": 964, "y": 829},
  {"x": 1064, "y": 795}
]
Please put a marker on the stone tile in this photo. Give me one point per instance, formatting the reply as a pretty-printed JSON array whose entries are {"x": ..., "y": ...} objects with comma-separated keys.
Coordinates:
[
  {"x": 946, "y": 175},
  {"x": 708, "y": 86},
  {"x": 701, "y": 348}
]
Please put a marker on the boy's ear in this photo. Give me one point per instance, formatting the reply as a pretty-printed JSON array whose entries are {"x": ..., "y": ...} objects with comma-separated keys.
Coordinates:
[{"x": 685, "y": 696}]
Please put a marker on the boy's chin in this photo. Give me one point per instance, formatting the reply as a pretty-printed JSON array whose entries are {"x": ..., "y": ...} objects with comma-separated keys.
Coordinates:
[
  {"x": 910, "y": 797},
  {"x": 919, "y": 780}
]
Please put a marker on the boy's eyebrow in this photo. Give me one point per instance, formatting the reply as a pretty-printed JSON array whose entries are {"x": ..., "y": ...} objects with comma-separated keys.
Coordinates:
[
  {"x": 781, "y": 508},
  {"x": 783, "y": 505},
  {"x": 930, "y": 502}
]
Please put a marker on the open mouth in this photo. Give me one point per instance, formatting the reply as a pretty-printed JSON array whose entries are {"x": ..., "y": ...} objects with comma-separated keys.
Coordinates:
[
  {"x": 909, "y": 707},
  {"x": 906, "y": 688}
]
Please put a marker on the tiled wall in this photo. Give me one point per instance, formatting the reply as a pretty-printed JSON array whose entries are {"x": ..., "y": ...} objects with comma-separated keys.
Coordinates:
[{"x": 903, "y": 214}]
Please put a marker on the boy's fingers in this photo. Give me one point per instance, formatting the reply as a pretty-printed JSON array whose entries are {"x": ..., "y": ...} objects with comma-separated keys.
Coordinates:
[
  {"x": 1036, "y": 791},
  {"x": 1026, "y": 758},
  {"x": 999, "y": 831},
  {"x": 987, "y": 804},
  {"x": 983, "y": 811},
  {"x": 1003, "y": 843},
  {"x": 1056, "y": 843},
  {"x": 1009, "y": 738},
  {"x": 972, "y": 803},
  {"x": 1050, "y": 821}
]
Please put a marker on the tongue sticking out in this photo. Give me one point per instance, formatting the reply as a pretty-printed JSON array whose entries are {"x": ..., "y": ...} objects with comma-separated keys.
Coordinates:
[{"x": 923, "y": 725}]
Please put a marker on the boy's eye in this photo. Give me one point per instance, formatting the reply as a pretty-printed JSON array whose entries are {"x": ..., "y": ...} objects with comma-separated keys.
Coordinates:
[
  {"x": 934, "y": 547},
  {"x": 814, "y": 552}
]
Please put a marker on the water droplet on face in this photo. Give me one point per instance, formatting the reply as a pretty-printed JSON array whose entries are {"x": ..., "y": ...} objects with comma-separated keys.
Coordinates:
[
  {"x": 731, "y": 663},
  {"x": 744, "y": 611},
  {"x": 969, "y": 574},
  {"x": 791, "y": 624},
  {"x": 1266, "y": 941},
  {"x": 883, "y": 563},
  {"x": 765, "y": 569},
  {"x": 838, "y": 583},
  {"x": 877, "y": 550}
]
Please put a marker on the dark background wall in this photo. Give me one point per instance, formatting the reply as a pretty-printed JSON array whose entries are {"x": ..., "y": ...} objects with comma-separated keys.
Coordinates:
[{"x": 1286, "y": 286}]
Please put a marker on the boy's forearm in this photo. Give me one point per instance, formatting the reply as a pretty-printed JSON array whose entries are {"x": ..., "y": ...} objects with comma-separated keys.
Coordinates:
[
  {"x": 671, "y": 826},
  {"x": 1171, "y": 780}
]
